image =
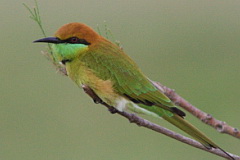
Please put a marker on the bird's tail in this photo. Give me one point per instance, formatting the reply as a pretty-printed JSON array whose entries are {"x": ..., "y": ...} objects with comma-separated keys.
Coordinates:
[{"x": 193, "y": 132}]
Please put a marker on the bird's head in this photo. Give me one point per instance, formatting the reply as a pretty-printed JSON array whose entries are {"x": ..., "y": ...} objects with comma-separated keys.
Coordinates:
[{"x": 71, "y": 40}]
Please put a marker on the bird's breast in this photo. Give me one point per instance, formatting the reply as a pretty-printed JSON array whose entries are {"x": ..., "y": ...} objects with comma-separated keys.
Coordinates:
[{"x": 81, "y": 74}]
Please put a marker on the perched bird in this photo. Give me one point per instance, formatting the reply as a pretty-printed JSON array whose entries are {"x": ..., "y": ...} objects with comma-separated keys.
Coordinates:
[{"x": 92, "y": 60}]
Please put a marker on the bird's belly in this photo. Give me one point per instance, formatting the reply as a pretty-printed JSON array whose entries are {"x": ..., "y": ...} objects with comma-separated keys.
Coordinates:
[
  {"x": 85, "y": 76},
  {"x": 82, "y": 75}
]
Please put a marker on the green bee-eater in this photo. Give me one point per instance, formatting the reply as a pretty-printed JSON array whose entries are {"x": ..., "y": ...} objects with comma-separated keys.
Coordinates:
[{"x": 94, "y": 61}]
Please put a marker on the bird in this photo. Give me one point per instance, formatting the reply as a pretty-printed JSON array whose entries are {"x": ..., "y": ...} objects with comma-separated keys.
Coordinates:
[{"x": 92, "y": 60}]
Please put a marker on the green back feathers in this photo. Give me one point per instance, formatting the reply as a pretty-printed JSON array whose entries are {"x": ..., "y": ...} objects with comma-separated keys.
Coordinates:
[{"x": 108, "y": 61}]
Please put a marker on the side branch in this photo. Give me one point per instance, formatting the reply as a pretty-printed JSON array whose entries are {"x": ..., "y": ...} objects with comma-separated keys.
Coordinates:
[
  {"x": 147, "y": 124},
  {"x": 220, "y": 126}
]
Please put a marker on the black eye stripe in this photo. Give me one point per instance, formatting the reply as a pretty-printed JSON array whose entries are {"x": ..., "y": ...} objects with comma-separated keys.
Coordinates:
[
  {"x": 83, "y": 41},
  {"x": 75, "y": 40}
]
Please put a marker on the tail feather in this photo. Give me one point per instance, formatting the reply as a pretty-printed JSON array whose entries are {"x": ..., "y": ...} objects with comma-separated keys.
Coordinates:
[{"x": 194, "y": 132}]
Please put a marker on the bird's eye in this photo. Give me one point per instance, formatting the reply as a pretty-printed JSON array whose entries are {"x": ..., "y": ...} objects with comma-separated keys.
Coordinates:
[
  {"x": 73, "y": 40},
  {"x": 76, "y": 40}
]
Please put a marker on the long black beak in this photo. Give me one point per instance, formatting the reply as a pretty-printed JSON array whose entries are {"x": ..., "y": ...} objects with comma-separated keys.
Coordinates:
[{"x": 49, "y": 40}]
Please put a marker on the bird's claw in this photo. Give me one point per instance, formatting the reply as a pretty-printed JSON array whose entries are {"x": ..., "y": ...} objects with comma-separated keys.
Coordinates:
[
  {"x": 112, "y": 110},
  {"x": 97, "y": 101}
]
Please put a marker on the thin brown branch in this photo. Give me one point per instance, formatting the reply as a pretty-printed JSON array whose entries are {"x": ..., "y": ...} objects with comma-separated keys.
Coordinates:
[
  {"x": 220, "y": 126},
  {"x": 147, "y": 124},
  {"x": 206, "y": 118}
]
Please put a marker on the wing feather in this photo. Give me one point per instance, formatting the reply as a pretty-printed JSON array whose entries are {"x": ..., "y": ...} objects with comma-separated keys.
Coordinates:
[{"x": 110, "y": 62}]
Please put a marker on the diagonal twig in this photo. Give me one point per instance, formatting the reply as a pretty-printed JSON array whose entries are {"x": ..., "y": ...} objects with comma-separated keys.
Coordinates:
[
  {"x": 147, "y": 124},
  {"x": 208, "y": 119}
]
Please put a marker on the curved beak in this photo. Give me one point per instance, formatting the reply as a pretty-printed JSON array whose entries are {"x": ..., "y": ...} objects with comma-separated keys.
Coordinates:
[{"x": 49, "y": 40}]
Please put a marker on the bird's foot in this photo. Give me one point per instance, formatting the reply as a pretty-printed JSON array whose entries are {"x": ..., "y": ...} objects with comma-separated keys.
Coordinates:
[
  {"x": 133, "y": 119},
  {"x": 112, "y": 110},
  {"x": 97, "y": 101}
]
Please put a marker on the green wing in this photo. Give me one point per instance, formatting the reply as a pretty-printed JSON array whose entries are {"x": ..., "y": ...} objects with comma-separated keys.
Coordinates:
[{"x": 110, "y": 62}]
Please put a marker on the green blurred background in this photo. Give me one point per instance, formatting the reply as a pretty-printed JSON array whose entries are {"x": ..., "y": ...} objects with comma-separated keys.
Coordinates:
[{"x": 191, "y": 46}]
